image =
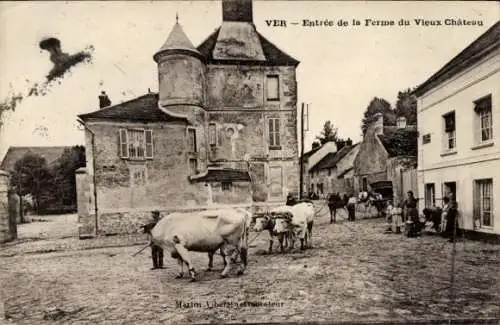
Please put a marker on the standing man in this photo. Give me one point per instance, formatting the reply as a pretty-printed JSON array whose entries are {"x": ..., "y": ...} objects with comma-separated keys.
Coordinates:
[
  {"x": 351, "y": 208},
  {"x": 156, "y": 251},
  {"x": 411, "y": 207}
]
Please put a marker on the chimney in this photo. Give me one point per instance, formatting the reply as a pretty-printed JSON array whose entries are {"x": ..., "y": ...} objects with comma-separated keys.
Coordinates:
[
  {"x": 349, "y": 142},
  {"x": 104, "y": 100},
  {"x": 378, "y": 123},
  {"x": 237, "y": 10}
]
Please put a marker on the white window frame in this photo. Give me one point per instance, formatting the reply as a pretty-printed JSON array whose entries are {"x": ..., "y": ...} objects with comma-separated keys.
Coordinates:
[
  {"x": 273, "y": 77},
  {"x": 479, "y": 117},
  {"x": 480, "y": 186},
  {"x": 449, "y": 137},
  {"x": 274, "y": 137},
  {"x": 125, "y": 142}
]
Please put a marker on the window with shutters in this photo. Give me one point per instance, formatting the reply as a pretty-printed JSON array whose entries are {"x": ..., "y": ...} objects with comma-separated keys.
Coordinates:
[
  {"x": 449, "y": 137},
  {"x": 136, "y": 143},
  {"x": 192, "y": 146},
  {"x": 273, "y": 87},
  {"x": 430, "y": 195},
  {"x": 483, "y": 202},
  {"x": 274, "y": 133},
  {"x": 212, "y": 134},
  {"x": 426, "y": 138},
  {"x": 483, "y": 120}
]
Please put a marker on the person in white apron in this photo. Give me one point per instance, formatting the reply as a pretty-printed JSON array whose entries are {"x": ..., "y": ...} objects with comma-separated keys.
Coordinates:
[{"x": 397, "y": 219}]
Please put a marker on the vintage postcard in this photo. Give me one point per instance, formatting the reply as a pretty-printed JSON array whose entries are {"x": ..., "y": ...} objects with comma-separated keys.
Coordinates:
[{"x": 239, "y": 161}]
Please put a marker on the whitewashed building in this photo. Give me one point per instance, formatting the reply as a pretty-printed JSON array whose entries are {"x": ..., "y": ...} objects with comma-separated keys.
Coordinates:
[{"x": 459, "y": 134}]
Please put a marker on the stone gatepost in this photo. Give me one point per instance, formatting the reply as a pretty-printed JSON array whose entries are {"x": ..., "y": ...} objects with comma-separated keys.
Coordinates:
[
  {"x": 8, "y": 226},
  {"x": 84, "y": 201}
]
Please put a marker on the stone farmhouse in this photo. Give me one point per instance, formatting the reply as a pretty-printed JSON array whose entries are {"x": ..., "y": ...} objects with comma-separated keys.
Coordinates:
[
  {"x": 222, "y": 130},
  {"x": 387, "y": 159}
]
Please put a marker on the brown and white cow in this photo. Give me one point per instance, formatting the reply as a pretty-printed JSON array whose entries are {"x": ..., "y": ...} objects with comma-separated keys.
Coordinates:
[
  {"x": 204, "y": 231},
  {"x": 267, "y": 221},
  {"x": 300, "y": 221}
]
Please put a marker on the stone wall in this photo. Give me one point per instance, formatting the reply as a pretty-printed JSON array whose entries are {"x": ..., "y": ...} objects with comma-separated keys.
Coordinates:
[{"x": 8, "y": 227}]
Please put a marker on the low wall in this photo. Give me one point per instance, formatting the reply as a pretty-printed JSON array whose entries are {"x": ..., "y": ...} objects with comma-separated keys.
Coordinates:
[{"x": 130, "y": 222}]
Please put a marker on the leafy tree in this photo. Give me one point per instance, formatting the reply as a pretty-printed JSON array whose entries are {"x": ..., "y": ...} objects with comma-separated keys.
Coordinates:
[
  {"x": 31, "y": 175},
  {"x": 406, "y": 105},
  {"x": 329, "y": 133},
  {"x": 64, "y": 173},
  {"x": 378, "y": 105}
]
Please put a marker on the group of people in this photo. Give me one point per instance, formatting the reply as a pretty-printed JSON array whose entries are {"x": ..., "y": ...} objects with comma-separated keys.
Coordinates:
[{"x": 442, "y": 220}]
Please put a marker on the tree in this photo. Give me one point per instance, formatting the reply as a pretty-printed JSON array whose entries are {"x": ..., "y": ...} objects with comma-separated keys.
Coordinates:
[
  {"x": 64, "y": 173},
  {"x": 378, "y": 105},
  {"x": 406, "y": 105},
  {"x": 31, "y": 175},
  {"x": 329, "y": 133}
]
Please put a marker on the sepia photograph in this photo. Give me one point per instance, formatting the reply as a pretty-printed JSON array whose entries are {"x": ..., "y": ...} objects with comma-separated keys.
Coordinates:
[{"x": 249, "y": 162}]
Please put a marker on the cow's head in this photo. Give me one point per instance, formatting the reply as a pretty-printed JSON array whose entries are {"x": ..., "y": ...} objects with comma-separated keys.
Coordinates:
[
  {"x": 261, "y": 222},
  {"x": 282, "y": 222}
]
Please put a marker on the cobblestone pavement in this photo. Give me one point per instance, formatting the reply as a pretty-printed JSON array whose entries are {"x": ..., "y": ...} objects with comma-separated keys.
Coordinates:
[{"x": 353, "y": 272}]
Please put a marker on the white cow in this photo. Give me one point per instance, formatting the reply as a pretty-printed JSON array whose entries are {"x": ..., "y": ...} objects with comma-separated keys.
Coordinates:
[
  {"x": 301, "y": 222},
  {"x": 204, "y": 231}
]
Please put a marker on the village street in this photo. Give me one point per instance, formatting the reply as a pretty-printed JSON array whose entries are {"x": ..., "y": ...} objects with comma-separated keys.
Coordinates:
[{"x": 354, "y": 272}]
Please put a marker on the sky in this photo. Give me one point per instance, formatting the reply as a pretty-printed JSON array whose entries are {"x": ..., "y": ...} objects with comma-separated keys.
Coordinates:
[{"x": 341, "y": 67}]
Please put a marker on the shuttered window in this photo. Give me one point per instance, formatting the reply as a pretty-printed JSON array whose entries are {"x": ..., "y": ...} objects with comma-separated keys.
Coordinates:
[
  {"x": 430, "y": 195},
  {"x": 136, "y": 143},
  {"x": 274, "y": 132},
  {"x": 149, "y": 143},
  {"x": 123, "y": 143}
]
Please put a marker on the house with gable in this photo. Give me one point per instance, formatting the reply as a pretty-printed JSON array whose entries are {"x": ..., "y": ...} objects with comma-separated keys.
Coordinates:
[
  {"x": 331, "y": 173},
  {"x": 221, "y": 130},
  {"x": 387, "y": 159}
]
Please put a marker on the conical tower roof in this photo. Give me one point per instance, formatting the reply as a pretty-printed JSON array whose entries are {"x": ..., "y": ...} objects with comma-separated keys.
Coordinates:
[{"x": 177, "y": 40}]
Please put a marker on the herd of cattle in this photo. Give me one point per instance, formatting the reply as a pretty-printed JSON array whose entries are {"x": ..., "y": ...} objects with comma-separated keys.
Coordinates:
[{"x": 227, "y": 231}]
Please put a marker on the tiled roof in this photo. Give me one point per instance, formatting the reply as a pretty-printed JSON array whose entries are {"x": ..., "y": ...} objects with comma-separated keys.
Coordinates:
[
  {"x": 341, "y": 175},
  {"x": 332, "y": 158},
  {"x": 310, "y": 153},
  {"x": 51, "y": 154},
  {"x": 482, "y": 46},
  {"x": 223, "y": 175},
  {"x": 400, "y": 142},
  {"x": 273, "y": 55},
  {"x": 177, "y": 40},
  {"x": 141, "y": 109}
]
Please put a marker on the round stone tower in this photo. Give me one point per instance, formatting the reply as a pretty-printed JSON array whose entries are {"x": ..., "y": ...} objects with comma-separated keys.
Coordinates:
[{"x": 181, "y": 71}]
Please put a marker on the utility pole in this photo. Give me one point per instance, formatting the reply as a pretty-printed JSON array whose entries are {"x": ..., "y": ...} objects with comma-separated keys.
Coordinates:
[{"x": 301, "y": 190}]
